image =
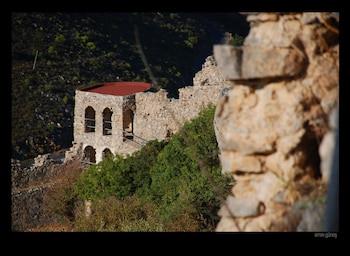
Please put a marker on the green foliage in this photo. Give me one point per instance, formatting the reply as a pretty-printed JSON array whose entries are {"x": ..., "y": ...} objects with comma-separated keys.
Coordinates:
[
  {"x": 186, "y": 176},
  {"x": 51, "y": 50},
  {"x": 119, "y": 176},
  {"x": 237, "y": 40},
  {"x": 91, "y": 46},
  {"x": 191, "y": 41},
  {"x": 65, "y": 99},
  {"x": 181, "y": 178},
  {"x": 59, "y": 38}
]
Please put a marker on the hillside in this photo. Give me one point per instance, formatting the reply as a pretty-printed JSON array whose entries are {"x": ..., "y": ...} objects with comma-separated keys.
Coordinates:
[
  {"x": 173, "y": 185},
  {"x": 264, "y": 158},
  {"x": 73, "y": 50}
]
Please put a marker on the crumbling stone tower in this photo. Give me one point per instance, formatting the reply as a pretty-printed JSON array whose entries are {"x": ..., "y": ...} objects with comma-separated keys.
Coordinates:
[
  {"x": 103, "y": 119},
  {"x": 119, "y": 118}
]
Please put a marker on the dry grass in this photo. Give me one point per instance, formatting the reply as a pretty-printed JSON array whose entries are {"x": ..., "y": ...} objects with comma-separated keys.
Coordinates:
[
  {"x": 60, "y": 200},
  {"x": 53, "y": 227}
]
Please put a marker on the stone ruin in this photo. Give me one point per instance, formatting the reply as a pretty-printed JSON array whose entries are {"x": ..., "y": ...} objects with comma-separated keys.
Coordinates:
[
  {"x": 108, "y": 121},
  {"x": 277, "y": 98},
  {"x": 273, "y": 126}
]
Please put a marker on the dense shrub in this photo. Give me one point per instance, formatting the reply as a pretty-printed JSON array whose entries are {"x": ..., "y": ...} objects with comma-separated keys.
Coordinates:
[
  {"x": 119, "y": 176},
  {"x": 180, "y": 178},
  {"x": 186, "y": 176}
]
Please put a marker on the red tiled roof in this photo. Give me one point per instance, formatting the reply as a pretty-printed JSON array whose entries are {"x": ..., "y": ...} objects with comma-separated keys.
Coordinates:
[{"x": 119, "y": 88}]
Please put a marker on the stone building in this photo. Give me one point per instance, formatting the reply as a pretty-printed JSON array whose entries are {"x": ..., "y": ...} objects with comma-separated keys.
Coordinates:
[{"x": 121, "y": 117}]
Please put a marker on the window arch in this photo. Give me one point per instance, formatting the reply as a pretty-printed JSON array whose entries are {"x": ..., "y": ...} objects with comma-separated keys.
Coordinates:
[
  {"x": 107, "y": 121},
  {"x": 128, "y": 123},
  {"x": 90, "y": 119},
  {"x": 90, "y": 154},
  {"x": 106, "y": 153}
]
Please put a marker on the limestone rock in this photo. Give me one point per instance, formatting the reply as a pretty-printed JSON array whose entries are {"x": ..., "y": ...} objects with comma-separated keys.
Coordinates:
[
  {"x": 262, "y": 17},
  {"x": 227, "y": 224},
  {"x": 309, "y": 17},
  {"x": 244, "y": 207},
  {"x": 40, "y": 160},
  {"x": 260, "y": 223},
  {"x": 229, "y": 61},
  {"x": 270, "y": 124},
  {"x": 274, "y": 34},
  {"x": 317, "y": 40},
  {"x": 286, "y": 167},
  {"x": 314, "y": 17},
  {"x": 263, "y": 187},
  {"x": 234, "y": 162},
  {"x": 324, "y": 85},
  {"x": 290, "y": 142},
  {"x": 286, "y": 196},
  {"x": 267, "y": 62},
  {"x": 209, "y": 74},
  {"x": 224, "y": 211},
  {"x": 255, "y": 126},
  {"x": 254, "y": 62}
]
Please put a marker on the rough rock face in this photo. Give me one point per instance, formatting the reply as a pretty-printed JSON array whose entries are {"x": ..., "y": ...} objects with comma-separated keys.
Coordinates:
[
  {"x": 269, "y": 126},
  {"x": 42, "y": 167},
  {"x": 209, "y": 75},
  {"x": 31, "y": 181}
]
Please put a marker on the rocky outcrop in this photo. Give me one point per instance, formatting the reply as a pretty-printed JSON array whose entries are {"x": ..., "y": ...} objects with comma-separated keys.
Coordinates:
[
  {"x": 27, "y": 208},
  {"x": 31, "y": 182},
  {"x": 269, "y": 126},
  {"x": 209, "y": 75},
  {"x": 31, "y": 171}
]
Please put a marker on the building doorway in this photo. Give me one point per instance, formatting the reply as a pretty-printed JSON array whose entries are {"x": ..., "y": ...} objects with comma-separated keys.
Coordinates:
[
  {"x": 89, "y": 155},
  {"x": 106, "y": 153}
]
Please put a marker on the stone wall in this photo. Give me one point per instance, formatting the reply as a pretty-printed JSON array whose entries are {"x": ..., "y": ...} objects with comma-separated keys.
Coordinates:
[
  {"x": 270, "y": 125},
  {"x": 155, "y": 115},
  {"x": 158, "y": 117}
]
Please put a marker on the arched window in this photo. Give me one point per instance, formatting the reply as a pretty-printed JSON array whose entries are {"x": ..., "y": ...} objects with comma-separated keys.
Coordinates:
[
  {"x": 90, "y": 119},
  {"x": 128, "y": 121},
  {"x": 89, "y": 154},
  {"x": 107, "y": 121},
  {"x": 106, "y": 153}
]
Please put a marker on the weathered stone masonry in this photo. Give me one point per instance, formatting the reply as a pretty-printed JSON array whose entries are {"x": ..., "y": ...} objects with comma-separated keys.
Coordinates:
[
  {"x": 155, "y": 116},
  {"x": 271, "y": 123}
]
